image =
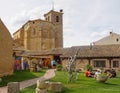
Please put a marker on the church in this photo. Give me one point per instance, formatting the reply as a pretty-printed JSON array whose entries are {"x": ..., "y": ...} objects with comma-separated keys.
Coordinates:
[
  {"x": 41, "y": 34},
  {"x": 42, "y": 40}
]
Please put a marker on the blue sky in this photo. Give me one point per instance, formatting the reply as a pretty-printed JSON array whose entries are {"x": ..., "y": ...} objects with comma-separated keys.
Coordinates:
[{"x": 85, "y": 21}]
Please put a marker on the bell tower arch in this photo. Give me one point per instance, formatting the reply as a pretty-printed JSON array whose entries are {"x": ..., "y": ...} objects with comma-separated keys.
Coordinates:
[{"x": 56, "y": 18}]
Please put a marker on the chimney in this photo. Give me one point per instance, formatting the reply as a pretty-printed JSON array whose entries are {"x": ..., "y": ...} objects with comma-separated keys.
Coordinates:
[{"x": 91, "y": 45}]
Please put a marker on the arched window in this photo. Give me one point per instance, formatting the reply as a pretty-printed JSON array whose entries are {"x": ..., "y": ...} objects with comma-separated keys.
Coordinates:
[
  {"x": 57, "y": 18},
  {"x": 34, "y": 32},
  {"x": 117, "y": 39}
]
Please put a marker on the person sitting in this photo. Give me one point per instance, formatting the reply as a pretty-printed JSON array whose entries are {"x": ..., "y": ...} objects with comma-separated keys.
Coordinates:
[
  {"x": 113, "y": 73},
  {"x": 110, "y": 73},
  {"x": 88, "y": 73},
  {"x": 97, "y": 73}
]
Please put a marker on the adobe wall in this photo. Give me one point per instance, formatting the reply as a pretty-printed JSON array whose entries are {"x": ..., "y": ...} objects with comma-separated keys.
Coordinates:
[{"x": 6, "y": 59}]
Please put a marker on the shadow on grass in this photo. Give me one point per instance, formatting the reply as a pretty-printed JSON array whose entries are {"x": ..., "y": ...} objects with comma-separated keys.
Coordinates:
[{"x": 110, "y": 84}]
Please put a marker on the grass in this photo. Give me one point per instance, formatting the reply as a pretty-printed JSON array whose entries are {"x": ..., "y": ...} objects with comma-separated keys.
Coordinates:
[
  {"x": 19, "y": 76},
  {"x": 30, "y": 89},
  {"x": 83, "y": 85}
]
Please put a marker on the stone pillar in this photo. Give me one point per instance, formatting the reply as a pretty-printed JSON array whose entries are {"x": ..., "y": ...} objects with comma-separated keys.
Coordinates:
[
  {"x": 42, "y": 86},
  {"x": 13, "y": 87},
  {"x": 55, "y": 86},
  {"x": 41, "y": 90},
  {"x": 110, "y": 63}
]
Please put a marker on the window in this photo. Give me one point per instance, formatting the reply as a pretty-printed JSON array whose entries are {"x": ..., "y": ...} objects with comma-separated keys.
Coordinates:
[
  {"x": 117, "y": 39},
  {"x": 99, "y": 63},
  {"x": 33, "y": 22},
  {"x": 34, "y": 32},
  {"x": 115, "y": 64},
  {"x": 57, "y": 18}
]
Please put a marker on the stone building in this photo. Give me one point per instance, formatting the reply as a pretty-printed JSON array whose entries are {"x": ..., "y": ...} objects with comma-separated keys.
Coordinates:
[
  {"x": 43, "y": 40},
  {"x": 112, "y": 38},
  {"x": 6, "y": 59},
  {"x": 98, "y": 56},
  {"x": 105, "y": 56},
  {"x": 41, "y": 34}
]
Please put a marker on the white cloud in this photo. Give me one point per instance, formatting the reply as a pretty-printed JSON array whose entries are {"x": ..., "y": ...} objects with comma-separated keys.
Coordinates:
[
  {"x": 85, "y": 21},
  {"x": 21, "y": 18}
]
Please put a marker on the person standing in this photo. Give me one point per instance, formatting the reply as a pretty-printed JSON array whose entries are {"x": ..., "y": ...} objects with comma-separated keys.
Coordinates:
[{"x": 54, "y": 63}]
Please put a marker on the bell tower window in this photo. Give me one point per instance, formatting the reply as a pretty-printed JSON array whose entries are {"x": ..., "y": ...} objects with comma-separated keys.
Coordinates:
[
  {"x": 57, "y": 18},
  {"x": 117, "y": 39},
  {"x": 34, "y": 32}
]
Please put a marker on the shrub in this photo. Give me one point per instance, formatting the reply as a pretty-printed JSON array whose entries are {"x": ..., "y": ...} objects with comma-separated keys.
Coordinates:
[
  {"x": 88, "y": 67},
  {"x": 59, "y": 67}
]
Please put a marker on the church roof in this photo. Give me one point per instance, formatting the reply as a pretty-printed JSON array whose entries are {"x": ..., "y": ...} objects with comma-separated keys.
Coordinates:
[
  {"x": 40, "y": 20},
  {"x": 52, "y": 11}
]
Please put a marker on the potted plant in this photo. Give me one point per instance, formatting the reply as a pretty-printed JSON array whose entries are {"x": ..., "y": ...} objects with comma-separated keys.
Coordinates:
[{"x": 102, "y": 78}]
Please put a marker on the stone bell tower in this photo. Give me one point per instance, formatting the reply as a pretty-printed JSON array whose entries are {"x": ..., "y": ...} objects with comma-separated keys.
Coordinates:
[{"x": 56, "y": 18}]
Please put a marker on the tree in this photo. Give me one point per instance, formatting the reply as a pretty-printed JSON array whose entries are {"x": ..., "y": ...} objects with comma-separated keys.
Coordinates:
[
  {"x": 71, "y": 67},
  {"x": 88, "y": 67}
]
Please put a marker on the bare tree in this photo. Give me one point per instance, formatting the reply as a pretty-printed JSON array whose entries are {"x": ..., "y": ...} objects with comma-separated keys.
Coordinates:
[{"x": 71, "y": 66}]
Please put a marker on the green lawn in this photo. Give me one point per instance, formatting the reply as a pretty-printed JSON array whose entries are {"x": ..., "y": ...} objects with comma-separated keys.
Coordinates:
[
  {"x": 20, "y": 76},
  {"x": 83, "y": 85}
]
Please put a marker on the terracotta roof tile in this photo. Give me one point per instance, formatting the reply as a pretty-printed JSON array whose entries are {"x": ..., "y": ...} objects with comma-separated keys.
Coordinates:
[
  {"x": 95, "y": 51},
  {"x": 84, "y": 52}
]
